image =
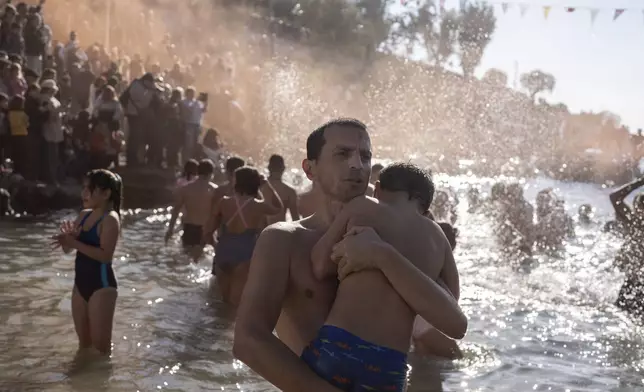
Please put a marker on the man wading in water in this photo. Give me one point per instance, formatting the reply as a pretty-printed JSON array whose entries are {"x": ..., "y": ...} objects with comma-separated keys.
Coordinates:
[
  {"x": 196, "y": 198},
  {"x": 292, "y": 301}
]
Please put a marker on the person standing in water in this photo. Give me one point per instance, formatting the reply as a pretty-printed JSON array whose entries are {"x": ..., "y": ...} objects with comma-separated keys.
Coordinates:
[
  {"x": 196, "y": 198},
  {"x": 240, "y": 218},
  {"x": 94, "y": 236},
  {"x": 190, "y": 169},
  {"x": 286, "y": 192},
  {"x": 630, "y": 257}
]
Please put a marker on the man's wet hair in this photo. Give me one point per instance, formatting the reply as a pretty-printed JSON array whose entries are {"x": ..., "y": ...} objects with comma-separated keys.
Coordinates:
[
  {"x": 234, "y": 163},
  {"x": 315, "y": 141},
  {"x": 206, "y": 167},
  {"x": 247, "y": 181},
  {"x": 409, "y": 178},
  {"x": 276, "y": 163}
]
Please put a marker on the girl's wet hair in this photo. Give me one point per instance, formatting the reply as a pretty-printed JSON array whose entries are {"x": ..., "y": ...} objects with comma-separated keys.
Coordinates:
[
  {"x": 247, "y": 181},
  {"x": 106, "y": 180},
  {"x": 190, "y": 169}
]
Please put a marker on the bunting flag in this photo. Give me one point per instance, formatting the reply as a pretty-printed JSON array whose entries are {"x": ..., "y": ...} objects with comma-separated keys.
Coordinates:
[
  {"x": 593, "y": 15},
  {"x": 570, "y": 9},
  {"x": 504, "y": 7},
  {"x": 546, "y": 11},
  {"x": 442, "y": 5},
  {"x": 618, "y": 12},
  {"x": 523, "y": 8}
]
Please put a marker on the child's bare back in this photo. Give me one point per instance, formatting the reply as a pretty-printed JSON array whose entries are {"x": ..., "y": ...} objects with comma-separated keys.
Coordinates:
[{"x": 366, "y": 304}]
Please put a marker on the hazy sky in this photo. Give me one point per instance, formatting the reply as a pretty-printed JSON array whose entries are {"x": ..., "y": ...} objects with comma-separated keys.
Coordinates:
[{"x": 597, "y": 67}]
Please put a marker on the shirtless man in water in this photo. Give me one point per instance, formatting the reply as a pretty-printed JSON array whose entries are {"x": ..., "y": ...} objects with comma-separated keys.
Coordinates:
[
  {"x": 364, "y": 342},
  {"x": 281, "y": 292},
  {"x": 286, "y": 192},
  {"x": 196, "y": 200}
]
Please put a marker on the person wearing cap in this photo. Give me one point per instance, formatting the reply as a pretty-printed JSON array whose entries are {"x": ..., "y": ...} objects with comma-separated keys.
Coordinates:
[{"x": 52, "y": 128}]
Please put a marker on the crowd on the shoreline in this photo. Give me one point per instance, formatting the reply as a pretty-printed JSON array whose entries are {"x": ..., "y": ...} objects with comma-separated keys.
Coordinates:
[{"x": 66, "y": 109}]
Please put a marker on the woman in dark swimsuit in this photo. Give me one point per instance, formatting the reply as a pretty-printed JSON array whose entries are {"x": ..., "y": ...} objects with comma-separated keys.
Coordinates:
[
  {"x": 240, "y": 218},
  {"x": 94, "y": 235}
]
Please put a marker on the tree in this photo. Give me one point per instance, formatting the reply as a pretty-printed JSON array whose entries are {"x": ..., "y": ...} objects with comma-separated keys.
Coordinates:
[
  {"x": 496, "y": 77},
  {"x": 422, "y": 25},
  {"x": 537, "y": 81},
  {"x": 477, "y": 23}
]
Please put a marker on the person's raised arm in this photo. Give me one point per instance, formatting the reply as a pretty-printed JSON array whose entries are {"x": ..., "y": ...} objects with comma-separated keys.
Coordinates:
[
  {"x": 258, "y": 312},
  {"x": 271, "y": 203},
  {"x": 623, "y": 212}
]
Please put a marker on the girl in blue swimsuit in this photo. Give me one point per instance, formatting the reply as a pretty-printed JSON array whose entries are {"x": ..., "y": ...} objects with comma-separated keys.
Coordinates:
[
  {"x": 94, "y": 236},
  {"x": 240, "y": 218}
]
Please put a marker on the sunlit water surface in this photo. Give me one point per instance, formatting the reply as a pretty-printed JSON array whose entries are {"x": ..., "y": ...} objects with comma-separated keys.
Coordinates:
[{"x": 551, "y": 326}]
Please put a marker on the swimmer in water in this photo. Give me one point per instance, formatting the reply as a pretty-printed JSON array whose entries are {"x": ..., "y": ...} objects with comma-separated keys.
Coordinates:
[
  {"x": 375, "y": 176},
  {"x": 364, "y": 342},
  {"x": 94, "y": 236},
  {"x": 630, "y": 257},
  {"x": 240, "y": 218},
  {"x": 287, "y": 193},
  {"x": 195, "y": 199},
  {"x": 189, "y": 174},
  {"x": 585, "y": 214}
]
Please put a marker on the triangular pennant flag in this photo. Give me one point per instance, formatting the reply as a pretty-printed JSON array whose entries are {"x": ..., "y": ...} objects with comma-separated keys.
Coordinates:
[
  {"x": 523, "y": 8},
  {"x": 504, "y": 7},
  {"x": 618, "y": 12},
  {"x": 593, "y": 15},
  {"x": 546, "y": 11},
  {"x": 463, "y": 4},
  {"x": 570, "y": 9}
]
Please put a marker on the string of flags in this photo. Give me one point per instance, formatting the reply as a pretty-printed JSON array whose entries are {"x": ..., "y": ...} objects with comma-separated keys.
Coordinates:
[{"x": 523, "y": 8}]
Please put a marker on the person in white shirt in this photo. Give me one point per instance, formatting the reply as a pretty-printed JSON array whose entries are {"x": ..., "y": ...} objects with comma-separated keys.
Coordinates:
[{"x": 192, "y": 110}]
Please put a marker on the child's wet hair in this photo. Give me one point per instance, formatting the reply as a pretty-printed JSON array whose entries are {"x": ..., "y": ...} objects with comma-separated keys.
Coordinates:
[
  {"x": 106, "y": 180},
  {"x": 409, "y": 178},
  {"x": 247, "y": 181},
  {"x": 450, "y": 232}
]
